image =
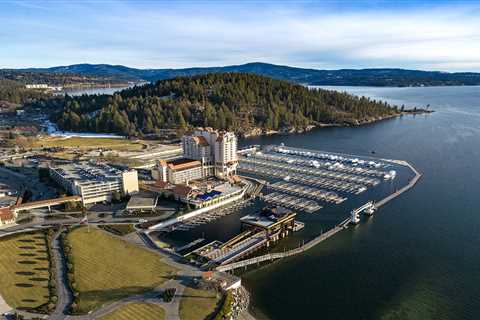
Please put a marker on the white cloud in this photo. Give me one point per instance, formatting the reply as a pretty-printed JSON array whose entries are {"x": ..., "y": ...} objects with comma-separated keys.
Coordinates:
[{"x": 446, "y": 38}]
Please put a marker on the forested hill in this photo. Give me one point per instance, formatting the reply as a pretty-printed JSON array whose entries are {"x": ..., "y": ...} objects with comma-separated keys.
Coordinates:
[
  {"x": 234, "y": 101},
  {"x": 344, "y": 77},
  {"x": 15, "y": 92}
]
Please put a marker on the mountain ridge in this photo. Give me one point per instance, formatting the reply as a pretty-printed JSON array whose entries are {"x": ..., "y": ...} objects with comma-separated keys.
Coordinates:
[{"x": 349, "y": 77}]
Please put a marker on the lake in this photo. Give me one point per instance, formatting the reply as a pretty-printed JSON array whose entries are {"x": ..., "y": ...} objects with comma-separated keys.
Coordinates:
[{"x": 419, "y": 256}]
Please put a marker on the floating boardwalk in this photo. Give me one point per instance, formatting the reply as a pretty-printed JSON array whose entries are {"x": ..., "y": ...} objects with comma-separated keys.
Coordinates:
[
  {"x": 279, "y": 255},
  {"x": 343, "y": 225}
]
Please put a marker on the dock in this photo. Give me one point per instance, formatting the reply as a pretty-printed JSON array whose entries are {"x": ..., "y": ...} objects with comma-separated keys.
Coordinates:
[
  {"x": 294, "y": 202},
  {"x": 307, "y": 192}
]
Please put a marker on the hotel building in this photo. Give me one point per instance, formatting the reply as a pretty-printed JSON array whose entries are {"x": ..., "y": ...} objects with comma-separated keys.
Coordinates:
[{"x": 206, "y": 153}]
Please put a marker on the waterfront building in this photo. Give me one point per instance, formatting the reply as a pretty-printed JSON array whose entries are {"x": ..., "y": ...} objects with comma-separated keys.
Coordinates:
[
  {"x": 95, "y": 182},
  {"x": 276, "y": 222},
  {"x": 206, "y": 153},
  {"x": 178, "y": 171},
  {"x": 216, "y": 150}
]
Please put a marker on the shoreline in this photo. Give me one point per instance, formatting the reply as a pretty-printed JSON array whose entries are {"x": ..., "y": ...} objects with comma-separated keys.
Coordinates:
[
  {"x": 257, "y": 132},
  {"x": 311, "y": 127}
]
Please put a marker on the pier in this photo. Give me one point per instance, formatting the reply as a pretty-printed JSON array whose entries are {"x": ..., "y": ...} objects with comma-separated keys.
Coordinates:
[
  {"x": 369, "y": 207},
  {"x": 279, "y": 255}
]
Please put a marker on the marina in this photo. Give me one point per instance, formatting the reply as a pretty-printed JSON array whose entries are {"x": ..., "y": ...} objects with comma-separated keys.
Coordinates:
[
  {"x": 283, "y": 184},
  {"x": 207, "y": 217},
  {"x": 332, "y": 172},
  {"x": 306, "y": 179},
  {"x": 293, "y": 202},
  {"x": 308, "y": 192}
]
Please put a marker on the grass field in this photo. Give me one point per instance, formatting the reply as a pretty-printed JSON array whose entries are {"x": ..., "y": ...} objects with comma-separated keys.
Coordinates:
[
  {"x": 118, "y": 229},
  {"x": 89, "y": 143},
  {"x": 136, "y": 311},
  {"x": 197, "y": 304},
  {"x": 107, "y": 268},
  {"x": 24, "y": 270}
]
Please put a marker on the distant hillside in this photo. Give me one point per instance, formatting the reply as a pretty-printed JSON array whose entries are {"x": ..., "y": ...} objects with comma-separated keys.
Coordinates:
[
  {"x": 344, "y": 77},
  {"x": 242, "y": 102},
  {"x": 59, "y": 78}
]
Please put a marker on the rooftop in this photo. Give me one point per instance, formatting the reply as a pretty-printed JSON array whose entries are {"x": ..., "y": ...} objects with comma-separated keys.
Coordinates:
[
  {"x": 182, "y": 164},
  {"x": 88, "y": 172},
  {"x": 268, "y": 217},
  {"x": 142, "y": 200}
]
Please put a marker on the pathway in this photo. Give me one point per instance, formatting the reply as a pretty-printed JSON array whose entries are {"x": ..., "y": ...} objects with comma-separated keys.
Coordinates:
[
  {"x": 65, "y": 297},
  {"x": 171, "y": 308}
]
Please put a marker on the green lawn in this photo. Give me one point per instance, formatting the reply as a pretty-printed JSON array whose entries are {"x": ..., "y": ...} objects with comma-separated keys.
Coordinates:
[
  {"x": 24, "y": 270},
  {"x": 89, "y": 143},
  {"x": 118, "y": 229},
  {"x": 136, "y": 311},
  {"x": 107, "y": 268},
  {"x": 198, "y": 304}
]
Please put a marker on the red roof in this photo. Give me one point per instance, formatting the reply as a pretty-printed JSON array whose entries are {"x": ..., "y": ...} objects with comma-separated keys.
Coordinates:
[
  {"x": 182, "y": 190},
  {"x": 6, "y": 214}
]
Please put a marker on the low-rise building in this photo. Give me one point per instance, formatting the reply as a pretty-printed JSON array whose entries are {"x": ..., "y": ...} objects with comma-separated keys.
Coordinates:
[
  {"x": 95, "y": 182},
  {"x": 276, "y": 222}
]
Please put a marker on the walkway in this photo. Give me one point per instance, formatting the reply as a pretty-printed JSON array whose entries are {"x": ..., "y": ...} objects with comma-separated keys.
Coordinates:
[
  {"x": 154, "y": 297},
  {"x": 65, "y": 297}
]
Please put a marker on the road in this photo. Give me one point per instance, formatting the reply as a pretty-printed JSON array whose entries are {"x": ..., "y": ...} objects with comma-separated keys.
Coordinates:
[{"x": 70, "y": 221}]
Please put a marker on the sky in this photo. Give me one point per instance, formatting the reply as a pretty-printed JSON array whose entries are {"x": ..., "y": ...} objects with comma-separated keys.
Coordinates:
[{"x": 428, "y": 35}]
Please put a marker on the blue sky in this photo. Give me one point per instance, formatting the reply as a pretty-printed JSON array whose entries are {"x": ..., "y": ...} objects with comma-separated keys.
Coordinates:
[{"x": 430, "y": 35}]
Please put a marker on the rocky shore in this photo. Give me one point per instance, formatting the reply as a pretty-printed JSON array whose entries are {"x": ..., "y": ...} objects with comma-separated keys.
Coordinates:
[{"x": 255, "y": 132}]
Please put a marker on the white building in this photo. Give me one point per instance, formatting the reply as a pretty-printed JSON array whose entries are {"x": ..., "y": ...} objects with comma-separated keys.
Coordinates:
[
  {"x": 180, "y": 171},
  {"x": 216, "y": 150},
  {"x": 95, "y": 182}
]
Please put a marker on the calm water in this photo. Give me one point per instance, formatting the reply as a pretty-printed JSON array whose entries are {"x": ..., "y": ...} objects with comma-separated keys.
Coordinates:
[{"x": 419, "y": 257}]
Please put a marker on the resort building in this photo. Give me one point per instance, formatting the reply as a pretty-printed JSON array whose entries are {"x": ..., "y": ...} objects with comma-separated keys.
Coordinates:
[
  {"x": 216, "y": 150},
  {"x": 95, "y": 182},
  {"x": 206, "y": 153},
  {"x": 178, "y": 171}
]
